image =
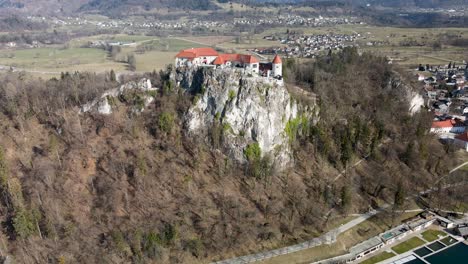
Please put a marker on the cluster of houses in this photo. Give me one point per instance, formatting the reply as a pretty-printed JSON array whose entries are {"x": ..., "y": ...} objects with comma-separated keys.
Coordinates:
[
  {"x": 249, "y": 64},
  {"x": 308, "y": 46},
  {"x": 277, "y": 20},
  {"x": 452, "y": 130},
  {"x": 446, "y": 90},
  {"x": 297, "y": 20},
  {"x": 15, "y": 45}
]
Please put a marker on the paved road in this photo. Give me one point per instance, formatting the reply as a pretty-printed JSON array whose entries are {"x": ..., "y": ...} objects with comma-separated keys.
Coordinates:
[{"x": 189, "y": 40}]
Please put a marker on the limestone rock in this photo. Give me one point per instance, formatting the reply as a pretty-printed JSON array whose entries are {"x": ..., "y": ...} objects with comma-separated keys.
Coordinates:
[
  {"x": 249, "y": 109},
  {"x": 102, "y": 106}
]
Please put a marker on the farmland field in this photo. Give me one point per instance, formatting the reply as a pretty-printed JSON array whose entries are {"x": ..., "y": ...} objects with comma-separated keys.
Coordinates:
[
  {"x": 52, "y": 60},
  {"x": 151, "y": 53}
]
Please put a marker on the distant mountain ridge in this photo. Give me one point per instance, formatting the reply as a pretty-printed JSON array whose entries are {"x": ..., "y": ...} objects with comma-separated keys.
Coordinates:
[{"x": 44, "y": 7}]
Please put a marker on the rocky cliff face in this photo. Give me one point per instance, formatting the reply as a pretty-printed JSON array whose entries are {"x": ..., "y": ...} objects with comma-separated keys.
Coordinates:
[
  {"x": 103, "y": 106},
  {"x": 250, "y": 110},
  {"x": 414, "y": 99}
]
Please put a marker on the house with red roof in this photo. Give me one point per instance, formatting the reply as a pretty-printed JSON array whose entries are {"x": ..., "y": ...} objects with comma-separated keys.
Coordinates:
[
  {"x": 208, "y": 57},
  {"x": 448, "y": 126},
  {"x": 462, "y": 140}
]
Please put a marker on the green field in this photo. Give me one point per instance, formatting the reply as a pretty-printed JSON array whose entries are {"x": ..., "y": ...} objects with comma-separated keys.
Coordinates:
[
  {"x": 55, "y": 60},
  {"x": 151, "y": 54},
  {"x": 171, "y": 44},
  {"x": 432, "y": 235},
  {"x": 378, "y": 258},
  {"x": 154, "y": 60},
  {"x": 408, "y": 245},
  {"x": 448, "y": 241}
]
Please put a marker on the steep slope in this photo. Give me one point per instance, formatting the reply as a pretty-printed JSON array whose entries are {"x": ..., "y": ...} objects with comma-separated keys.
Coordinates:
[{"x": 250, "y": 110}]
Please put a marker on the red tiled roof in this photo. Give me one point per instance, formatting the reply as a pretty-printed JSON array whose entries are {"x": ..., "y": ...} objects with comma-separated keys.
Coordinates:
[
  {"x": 230, "y": 57},
  {"x": 249, "y": 59},
  {"x": 219, "y": 61},
  {"x": 239, "y": 57},
  {"x": 221, "y": 58},
  {"x": 197, "y": 52},
  {"x": 463, "y": 137},
  {"x": 447, "y": 123},
  {"x": 277, "y": 60}
]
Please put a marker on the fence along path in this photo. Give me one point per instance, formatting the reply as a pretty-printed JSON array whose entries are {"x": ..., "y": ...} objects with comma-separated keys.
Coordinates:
[{"x": 325, "y": 239}]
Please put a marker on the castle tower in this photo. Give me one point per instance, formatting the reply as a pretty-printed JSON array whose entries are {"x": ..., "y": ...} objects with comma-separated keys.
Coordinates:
[{"x": 277, "y": 67}]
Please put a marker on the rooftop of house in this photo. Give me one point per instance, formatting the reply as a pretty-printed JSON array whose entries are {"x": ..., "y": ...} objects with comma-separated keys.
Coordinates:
[
  {"x": 447, "y": 123},
  {"x": 395, "y": 232},
  {"x": 366, "y": 245},
  {"x": 419, "y": 222},
  {"x": 463, "y": 230}
]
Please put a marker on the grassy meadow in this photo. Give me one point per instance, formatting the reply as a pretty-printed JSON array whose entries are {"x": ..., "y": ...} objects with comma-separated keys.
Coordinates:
[{"x": 151, "y": 53}]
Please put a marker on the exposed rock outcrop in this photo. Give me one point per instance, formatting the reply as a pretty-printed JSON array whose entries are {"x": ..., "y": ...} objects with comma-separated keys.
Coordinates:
[
  {"x": 410, "y": 95},
  {"x": 248, "y": 109},
  {"x": 103, "y": 106}
]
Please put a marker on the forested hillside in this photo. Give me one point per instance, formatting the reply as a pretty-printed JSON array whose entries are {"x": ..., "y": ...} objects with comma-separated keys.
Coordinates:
[{"x": 134, "y": 187}]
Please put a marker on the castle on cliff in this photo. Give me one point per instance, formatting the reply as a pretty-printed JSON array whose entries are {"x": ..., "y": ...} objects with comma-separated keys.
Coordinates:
[{"x": 208, "y": 57}]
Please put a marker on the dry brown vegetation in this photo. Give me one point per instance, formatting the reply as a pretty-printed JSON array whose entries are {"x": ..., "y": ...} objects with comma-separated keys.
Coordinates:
[{"x": 136, "y": 188}]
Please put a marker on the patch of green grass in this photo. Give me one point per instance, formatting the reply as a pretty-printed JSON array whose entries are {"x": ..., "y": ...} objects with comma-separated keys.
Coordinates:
[
  {"x": 432, "y": 235},
  {"x": 53, "y": 60},
  {"x": 171, "y": 44},
  {"x": 51, "y": 57},
  {"x": 378, "y": 258},
  {"x": 449, "y": 241},
  {"x": 154, "y": 60},
  {"x": 408, "y": 245}
]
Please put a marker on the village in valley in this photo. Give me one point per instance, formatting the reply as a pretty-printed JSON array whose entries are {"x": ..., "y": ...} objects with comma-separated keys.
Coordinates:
[{"x": 446, "y": 91}]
